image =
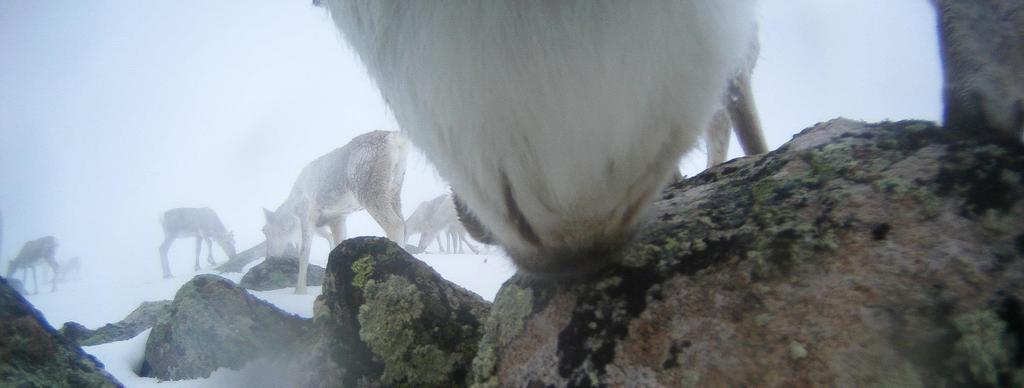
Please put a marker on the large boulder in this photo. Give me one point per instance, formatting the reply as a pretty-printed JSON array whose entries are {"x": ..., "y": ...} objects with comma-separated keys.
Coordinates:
[
  {"x": 213, "y": 323},
  {"x": 855, "y": 255},
  {"x": 387, "y": 319},
  {"x": 140, "y": 319},
  {"x": 33, "y": 354},
  {"x": 280, "y": 272}
]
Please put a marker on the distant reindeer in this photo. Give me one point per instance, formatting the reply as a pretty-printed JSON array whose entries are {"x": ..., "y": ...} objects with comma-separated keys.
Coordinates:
[
  {"x": 34, "y": 251},
  {"x": 201, "y": 223},
  {"x": 366, "y": 173},
  {"x": 457, "y": 236},
  {"x": 429, "y": 221},
  {"x": 70, "y": 269},
  {"x": 435, "y": 217},
  {"x": 982, "y": 48}
]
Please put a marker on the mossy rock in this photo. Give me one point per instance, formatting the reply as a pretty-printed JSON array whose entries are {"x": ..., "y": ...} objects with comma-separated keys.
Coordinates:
[
  {"x": 280, "y": 272},
  {"x": 140, "y": 319},
  {"x": 213, "y": 323},
  {"x": 857, "y": 254},
  {"x": 33, "y": 354},
  {"x": 387, "y": 319}
]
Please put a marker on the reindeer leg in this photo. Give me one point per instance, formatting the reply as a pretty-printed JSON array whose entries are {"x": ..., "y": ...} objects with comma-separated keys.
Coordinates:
[
  {"x": 300, "y": 284},
  {"x": 52, "y": 261},
  {"x": 163, "y": 255},
  {"x": 338, "y": 231},
  {"x": 743, "y": 113},
  {"x": 718, "y": 138},
  {"x": 199, "y": 249},
  {"x": 389, "y": 219},
  {"x": 209, "y": 248},
  {"x": 471, "y": 247},
  {"x": 35, "y": 281}
]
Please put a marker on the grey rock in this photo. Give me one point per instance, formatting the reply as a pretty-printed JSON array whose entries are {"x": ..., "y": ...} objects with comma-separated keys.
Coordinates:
[
  {"x": 276, "y": 273},
  {"x": 855, "y": 255},
  {"x": 387, "y": 319},
  {"x": 140, "y": 319},
  {"x": 214, "y": 323},
  {"x": 33, "y": 354}
]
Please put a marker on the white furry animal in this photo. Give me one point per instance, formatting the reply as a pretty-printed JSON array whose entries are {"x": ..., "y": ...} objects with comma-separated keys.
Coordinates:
[
  {"x": 42, "y": 249},
  {"x": 201, "y": 223},
  {"x": 556, "y": 122},
  {"x": 365, "y": 173},
  {"x": 982, "y": 43}
]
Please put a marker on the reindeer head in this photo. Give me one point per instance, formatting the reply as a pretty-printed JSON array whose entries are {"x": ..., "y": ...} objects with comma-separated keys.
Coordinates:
[
  {"x": 281, "y": 231},
  {"x": 227, "y": 242}
]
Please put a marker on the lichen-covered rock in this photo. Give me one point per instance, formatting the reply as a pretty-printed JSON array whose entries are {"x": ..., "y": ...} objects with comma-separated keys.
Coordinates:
[
  {"x": 387, "y": 319},
  {"x": 280, "y": 272},
  {"x": 213, "y": 323},
  {"x": 140, "y": 319},
  {"x": 855, "y": 255},
  {"x": 33, "y": 354}
]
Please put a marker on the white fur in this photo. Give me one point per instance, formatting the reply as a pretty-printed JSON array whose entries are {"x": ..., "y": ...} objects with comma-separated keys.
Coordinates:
[{"x": 585, "y": 105}]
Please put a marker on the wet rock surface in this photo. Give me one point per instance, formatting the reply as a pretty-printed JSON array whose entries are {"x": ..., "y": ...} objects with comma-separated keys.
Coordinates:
[
  {"x": 213, "y": 323},
  {"x": 33, "y": 354},
  {"x": 855, "y": 255},
  {"x": 140, "y": 319},
  {"x": 387, "y": 319},
  {"x": 276, "y": 273}
]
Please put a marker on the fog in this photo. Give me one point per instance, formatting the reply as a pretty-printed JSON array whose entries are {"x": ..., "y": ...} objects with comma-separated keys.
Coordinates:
[{"x": 112, "y": 112}]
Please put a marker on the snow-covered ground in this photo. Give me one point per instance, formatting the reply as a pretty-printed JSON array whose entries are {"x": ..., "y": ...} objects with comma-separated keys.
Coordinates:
[{"x": 96, "y": 301}]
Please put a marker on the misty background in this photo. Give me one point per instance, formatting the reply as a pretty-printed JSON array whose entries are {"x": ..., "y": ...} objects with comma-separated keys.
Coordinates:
[{"x": 112, "y": 112}]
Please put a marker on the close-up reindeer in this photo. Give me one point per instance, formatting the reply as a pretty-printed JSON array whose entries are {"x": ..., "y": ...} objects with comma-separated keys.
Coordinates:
[
  {"x": 557, "y": 123},
  {"x": 366, "y": 173}
]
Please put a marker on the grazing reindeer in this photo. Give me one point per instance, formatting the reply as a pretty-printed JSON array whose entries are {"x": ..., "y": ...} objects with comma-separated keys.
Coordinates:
[
  {"x": 457, "y": 236},
  {"x": 428, "y": 220},
  {"x": 201, "y": 223},
  {"x": 365, "y": 173},
  {"x": 45, "y": 249},
  {"x": 738, "y": 112},
  {"x": 982, "y": 48},
  {"x": 70, "y": 269},
  {"x": 555, "y": 122}
]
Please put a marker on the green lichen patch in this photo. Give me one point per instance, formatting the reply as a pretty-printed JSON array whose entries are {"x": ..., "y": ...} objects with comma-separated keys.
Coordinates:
[
  {"x": 390, "y": 319},
  {"x": 983, "y": 347},
  {"x": 508, "y": 314},
  {"x": 363, "y": 269},
  {"x": 389, "y": 325}
]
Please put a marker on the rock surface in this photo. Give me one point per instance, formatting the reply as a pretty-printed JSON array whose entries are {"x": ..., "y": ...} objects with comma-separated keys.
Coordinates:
[
  {"x": 276, "y": 273},
  {"x": 33, "y": 354},
  {"x": 243, "y": 258},
  {"x": 855, "y": 255},
  {"x": 387, "y": 319},
  {"x": 214, "y": 323},
  {"x": 140, "y": 319}
]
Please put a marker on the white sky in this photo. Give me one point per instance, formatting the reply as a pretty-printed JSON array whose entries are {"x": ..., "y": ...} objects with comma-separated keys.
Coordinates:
[{"x": 113, "y": 111}]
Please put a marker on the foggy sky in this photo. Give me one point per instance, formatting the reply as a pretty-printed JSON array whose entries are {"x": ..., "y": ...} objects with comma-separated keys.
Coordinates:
[{"x": 113, "y": 111}]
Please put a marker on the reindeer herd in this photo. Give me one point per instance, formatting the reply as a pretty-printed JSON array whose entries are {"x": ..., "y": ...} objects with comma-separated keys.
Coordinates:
[{"x": 557, "y": 123}]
